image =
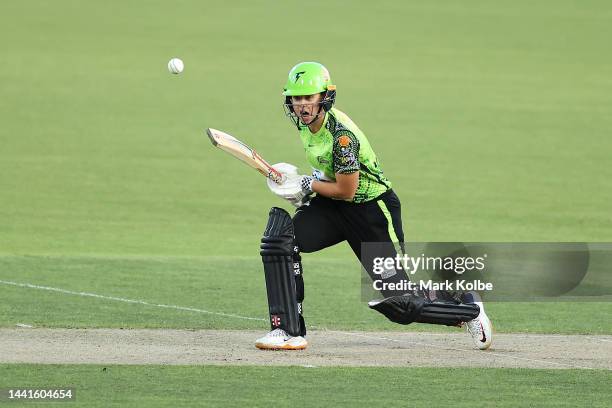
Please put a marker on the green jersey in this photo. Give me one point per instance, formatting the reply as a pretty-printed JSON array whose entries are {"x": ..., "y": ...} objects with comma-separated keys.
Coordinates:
[{"x": 341, "y": 147}]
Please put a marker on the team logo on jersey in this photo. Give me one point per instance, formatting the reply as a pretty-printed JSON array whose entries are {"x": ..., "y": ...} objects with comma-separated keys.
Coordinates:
[
  {"x": 344, "y": 140},
  {"x": 298, "y": 75}
]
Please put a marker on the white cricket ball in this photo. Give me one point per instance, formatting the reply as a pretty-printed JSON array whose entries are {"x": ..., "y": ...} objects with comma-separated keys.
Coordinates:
[{"x": 175, "y": 65}]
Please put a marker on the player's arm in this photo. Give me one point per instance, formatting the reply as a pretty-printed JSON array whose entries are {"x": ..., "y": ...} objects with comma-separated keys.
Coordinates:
[
  {"x": 346, "y": 167},
  {"x": 343, "y": 188}
]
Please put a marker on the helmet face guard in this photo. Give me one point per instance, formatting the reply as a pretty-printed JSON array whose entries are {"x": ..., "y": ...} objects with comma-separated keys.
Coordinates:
[
  {"x": 308, "y": 78},
  {"x": 326, "y": 103}
]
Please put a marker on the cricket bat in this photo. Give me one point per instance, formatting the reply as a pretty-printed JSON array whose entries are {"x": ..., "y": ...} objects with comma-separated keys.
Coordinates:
[{"x": 244, "y": 153}]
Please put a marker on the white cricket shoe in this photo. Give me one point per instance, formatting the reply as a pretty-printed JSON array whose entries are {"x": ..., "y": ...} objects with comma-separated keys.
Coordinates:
[
  {"x": 278, "y": 339},
  {"x": 480, "y": 328}
]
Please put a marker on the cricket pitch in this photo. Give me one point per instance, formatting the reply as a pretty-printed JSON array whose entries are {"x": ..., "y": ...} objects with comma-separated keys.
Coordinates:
[{"x": 326, "y": 348}]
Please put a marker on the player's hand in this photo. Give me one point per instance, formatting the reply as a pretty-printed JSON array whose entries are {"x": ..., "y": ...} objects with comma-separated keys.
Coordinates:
[
  {"x": 295, "y": 188},
  {"x": 285, "y": 169}
]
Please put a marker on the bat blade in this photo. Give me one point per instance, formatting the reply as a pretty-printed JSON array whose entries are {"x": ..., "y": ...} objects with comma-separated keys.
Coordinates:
[{"x": 244, "y": 153}]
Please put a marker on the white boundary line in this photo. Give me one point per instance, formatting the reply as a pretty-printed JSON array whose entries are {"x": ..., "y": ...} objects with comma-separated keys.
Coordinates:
[
  {"x": 120, "y": 299},
  {"x": 191, "y": 309}
]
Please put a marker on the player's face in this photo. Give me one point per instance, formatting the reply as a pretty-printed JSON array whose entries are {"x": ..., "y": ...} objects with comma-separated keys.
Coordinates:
[{"x": 306, "y": 107}]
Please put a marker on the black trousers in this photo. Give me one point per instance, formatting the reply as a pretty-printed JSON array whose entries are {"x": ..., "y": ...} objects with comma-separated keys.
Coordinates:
[{"x": 326, "y": 222}]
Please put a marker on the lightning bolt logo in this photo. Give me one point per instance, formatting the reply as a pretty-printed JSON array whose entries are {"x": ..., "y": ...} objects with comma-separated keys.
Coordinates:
[{"x": 298, "y": 75}]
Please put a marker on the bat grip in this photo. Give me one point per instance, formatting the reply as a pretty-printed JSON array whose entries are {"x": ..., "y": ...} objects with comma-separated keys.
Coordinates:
[{"x": 277, "y": 176}]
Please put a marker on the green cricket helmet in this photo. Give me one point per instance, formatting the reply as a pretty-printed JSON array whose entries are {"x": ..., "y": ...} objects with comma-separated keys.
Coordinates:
[{"x": 309, "y": 78}]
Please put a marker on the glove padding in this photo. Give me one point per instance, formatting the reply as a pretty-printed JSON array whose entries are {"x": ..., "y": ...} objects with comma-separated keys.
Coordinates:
[
  {"x": 292, "y": 187},
  {"x": 399, "y": 309}
]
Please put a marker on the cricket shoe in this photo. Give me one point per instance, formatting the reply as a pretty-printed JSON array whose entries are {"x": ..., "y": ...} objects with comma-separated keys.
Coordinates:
[
  {"x": 278, "y": 339},
  {"x": 480, "y": 328}
]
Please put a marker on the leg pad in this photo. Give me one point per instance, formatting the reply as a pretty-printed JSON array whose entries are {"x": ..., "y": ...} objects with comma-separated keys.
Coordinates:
[
  {"x": 283, "y": 273},
  {"x": 406, "y": 309}
]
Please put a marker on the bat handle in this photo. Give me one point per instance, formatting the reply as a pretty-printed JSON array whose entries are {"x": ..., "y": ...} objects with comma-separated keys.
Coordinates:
[{"x": 277, "y": 176}]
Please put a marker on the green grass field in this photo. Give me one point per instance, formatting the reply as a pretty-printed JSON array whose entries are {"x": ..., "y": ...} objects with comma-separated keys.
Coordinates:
[
  {"x": 492, "y": 121},
  {"x": 214, "y": 283},
  {"x": 144, "y": 386}
]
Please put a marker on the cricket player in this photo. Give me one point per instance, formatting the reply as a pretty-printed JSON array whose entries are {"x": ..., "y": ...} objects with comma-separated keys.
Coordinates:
[{"x": 347, "y": 198}]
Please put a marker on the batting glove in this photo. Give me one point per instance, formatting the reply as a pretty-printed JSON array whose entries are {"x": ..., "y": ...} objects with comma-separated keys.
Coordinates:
[
  {"x": 306, "y": 184},
  {"x": 292, "y": 188}
]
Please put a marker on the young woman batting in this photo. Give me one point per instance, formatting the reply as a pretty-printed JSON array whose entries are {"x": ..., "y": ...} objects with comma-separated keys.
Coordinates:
[{"x": 347, "y": 198}]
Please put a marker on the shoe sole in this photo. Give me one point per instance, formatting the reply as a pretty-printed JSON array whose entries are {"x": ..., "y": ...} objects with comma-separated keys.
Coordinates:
[{"x": 262, "y": 346}]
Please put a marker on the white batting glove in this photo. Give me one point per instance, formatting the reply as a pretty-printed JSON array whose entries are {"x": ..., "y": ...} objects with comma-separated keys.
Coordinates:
[
  {"x": 295, "y": 188},
  {"x": 285, "y": 168},
  {"x": 306, "y": 184}
]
